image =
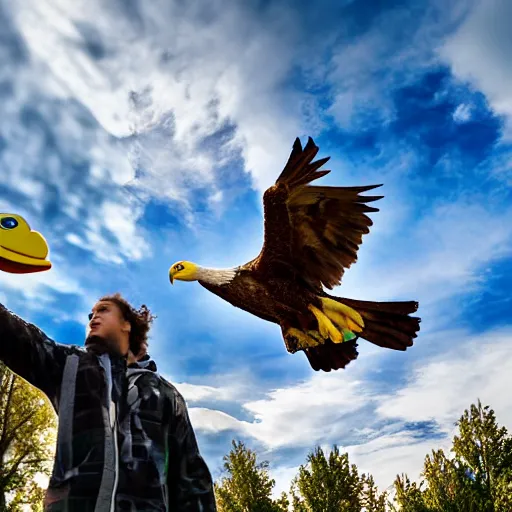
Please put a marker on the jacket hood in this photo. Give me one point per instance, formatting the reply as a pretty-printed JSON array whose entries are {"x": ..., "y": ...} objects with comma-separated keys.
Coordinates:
[{"x": 146, "y": 363}]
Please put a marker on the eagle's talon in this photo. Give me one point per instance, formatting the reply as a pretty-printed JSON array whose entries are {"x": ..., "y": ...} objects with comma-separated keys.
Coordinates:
[
  {"x": 325, "y": 326},
  {"x": 342, "y": 315},
  {"x": 291, "y": 344},
  {"x": 296, "y": 340}
]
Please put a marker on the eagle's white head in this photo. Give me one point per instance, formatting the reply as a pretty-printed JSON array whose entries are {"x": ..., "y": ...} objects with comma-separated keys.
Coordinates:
[{"x": 188, "y": 271}]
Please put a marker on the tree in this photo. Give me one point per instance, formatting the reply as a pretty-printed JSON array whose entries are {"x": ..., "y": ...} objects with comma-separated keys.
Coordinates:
[
  {"x": 371, "y": 500},
  {"x": 247, "y": 486},
  {"x": 448, "y": 487},
  {"x": 503, "y": 500},
  {"x": 485, "y": 451},
  {"x": 27, "y": 439},
  {"x": 333, "y": 485},
  {"x": 31, "y": 495},
  {"x": 408, "y": 496},
  {"x": 478, "y": 478}
]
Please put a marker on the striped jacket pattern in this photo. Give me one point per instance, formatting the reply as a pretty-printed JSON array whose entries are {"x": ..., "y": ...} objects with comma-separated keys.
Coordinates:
[{"x": 125, "y": 442}]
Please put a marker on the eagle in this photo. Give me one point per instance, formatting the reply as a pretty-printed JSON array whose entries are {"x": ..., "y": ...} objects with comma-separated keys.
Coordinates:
[
  {"x": 311, "y": 236},
  {"x": 22, "y": 251}
]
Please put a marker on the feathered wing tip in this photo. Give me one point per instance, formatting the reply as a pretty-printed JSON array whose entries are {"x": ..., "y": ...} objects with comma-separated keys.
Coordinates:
[
  {"x": 329, "y": 224},
  {"x": 331, "y": 356},
  {"x": 300, "y": 168}
]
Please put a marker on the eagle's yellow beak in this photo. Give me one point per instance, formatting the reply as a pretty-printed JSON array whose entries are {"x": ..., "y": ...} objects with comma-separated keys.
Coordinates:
[
  {"x": 21, "y": 250},
  {"x": 172, "y": 273}
]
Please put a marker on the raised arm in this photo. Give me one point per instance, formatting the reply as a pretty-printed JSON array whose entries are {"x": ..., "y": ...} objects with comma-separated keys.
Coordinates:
[
  {"x": 28, "y": 352},
  {"x": 189, "y": 479}
]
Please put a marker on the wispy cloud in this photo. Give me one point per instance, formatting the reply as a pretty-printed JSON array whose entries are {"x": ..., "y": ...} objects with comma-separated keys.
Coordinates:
[
  {"x": 385, "y": 432},
  {"x": 478, "y": 53},
  {"x": 172, "y": 90},
  {"x": 135, "y": 134}
]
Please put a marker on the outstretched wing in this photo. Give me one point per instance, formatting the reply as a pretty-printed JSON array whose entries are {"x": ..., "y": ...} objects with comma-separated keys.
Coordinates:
[{"x": 314, "y": 230}]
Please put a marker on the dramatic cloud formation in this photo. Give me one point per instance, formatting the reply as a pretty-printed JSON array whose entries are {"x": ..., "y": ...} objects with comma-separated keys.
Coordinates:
[{"x": 134, "y": 134}]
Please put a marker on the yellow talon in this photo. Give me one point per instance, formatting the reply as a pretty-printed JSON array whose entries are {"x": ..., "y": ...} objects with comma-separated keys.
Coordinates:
[
  {"x": 353, "y": 326},
  {"x": 325, "y": 326},
  {"x": 337, "y": 307},
  {"x": 303, "y": 340},
  {"x": 316, "y": 335},
  {"x": 343, "y": 321}
]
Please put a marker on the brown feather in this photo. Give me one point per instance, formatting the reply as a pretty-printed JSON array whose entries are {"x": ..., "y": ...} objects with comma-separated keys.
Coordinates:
[
  {"x": 386, "y": 324},
  {"x": 331, "y": 356},
  {"x": 298, "y": 161},
  {"x": 327, "y": 225},
  {"x": 312, "y": 235}
]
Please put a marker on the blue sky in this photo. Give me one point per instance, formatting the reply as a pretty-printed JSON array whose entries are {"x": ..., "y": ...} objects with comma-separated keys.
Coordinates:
[{"x": 136, "y": 134}]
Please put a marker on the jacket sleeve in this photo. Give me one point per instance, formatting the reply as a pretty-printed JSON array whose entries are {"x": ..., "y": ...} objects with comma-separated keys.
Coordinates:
[
  {"x": 28, "y": 352},
  {"x": 189, "y": 480}
]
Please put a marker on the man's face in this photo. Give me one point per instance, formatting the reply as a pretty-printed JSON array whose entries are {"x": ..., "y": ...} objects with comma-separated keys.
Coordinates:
[{"x": 107, "y": 328}]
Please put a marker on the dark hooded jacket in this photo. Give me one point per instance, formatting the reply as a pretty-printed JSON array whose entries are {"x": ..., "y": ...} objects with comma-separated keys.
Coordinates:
[{"x": 125, "y": 442}]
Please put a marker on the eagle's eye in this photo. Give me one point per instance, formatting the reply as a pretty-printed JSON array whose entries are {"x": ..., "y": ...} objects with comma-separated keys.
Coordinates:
[{"x": 8, "y": 223}]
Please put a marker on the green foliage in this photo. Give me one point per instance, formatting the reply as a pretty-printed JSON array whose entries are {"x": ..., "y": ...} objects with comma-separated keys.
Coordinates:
[
  {"x": 408, "y": 496},
  {"x": 27, "y": 430},
  {"x": 332, "y": 484},
  {"x": 448, "y": 486},
  {"x": 329, "y": 484},
  {"x": 247, "y": 486},
  {"x": 478, "y": 478},
  {"x": 31, "y": 494},
  {"x": 484, "y": 450},
  {"x": 371, "y": 500}
]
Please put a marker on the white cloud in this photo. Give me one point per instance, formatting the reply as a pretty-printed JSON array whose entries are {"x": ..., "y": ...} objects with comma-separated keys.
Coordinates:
[
  {"x": 212, "y": 421},
  {"x": 186, "y": 87},
  {"x": 58, "y": 177},
  {"x": 462, "y": 113},
  {"x": 197, "y": 392},
  {"x": 119, "y": 219},
  {"x": 442, "y": 387},
  {"x": 479, "y": 52},
  {"x": 398, "y": 46},
  {"x": 386, "y": 457},
  {"x": 352, "y": 76},
  {"x": 330, "y": 409},
  {"x": 434, "y": 258},
  {"x": 31, "y": 285},
  {"x": 309, "y": 410},
  {"x": 283, "y": 477}
]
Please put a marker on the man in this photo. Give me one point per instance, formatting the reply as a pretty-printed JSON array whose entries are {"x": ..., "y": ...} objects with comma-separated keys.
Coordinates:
[{"x": 125, "y": 442}]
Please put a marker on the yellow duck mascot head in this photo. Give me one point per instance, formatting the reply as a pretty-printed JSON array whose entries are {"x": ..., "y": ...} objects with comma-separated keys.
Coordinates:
[{"x": 22, "y": 251}]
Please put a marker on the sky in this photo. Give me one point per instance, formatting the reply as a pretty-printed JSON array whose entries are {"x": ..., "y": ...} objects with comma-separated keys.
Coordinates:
[{"x": 135, "y": 134}]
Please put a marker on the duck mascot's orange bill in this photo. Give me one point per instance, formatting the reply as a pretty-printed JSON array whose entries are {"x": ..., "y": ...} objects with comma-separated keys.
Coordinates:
[{"x": 22, "y": 251}]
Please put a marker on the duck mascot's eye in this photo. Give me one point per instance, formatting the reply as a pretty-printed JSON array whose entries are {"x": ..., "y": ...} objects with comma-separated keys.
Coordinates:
[{"x": 8, "y": 223}]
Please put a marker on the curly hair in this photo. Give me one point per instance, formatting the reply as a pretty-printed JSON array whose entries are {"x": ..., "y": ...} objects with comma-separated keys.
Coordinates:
[{"x": 139, "y": 319}]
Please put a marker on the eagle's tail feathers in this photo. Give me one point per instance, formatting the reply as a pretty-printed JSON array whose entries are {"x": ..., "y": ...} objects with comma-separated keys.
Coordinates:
[{"x": 386, "y": 324}]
